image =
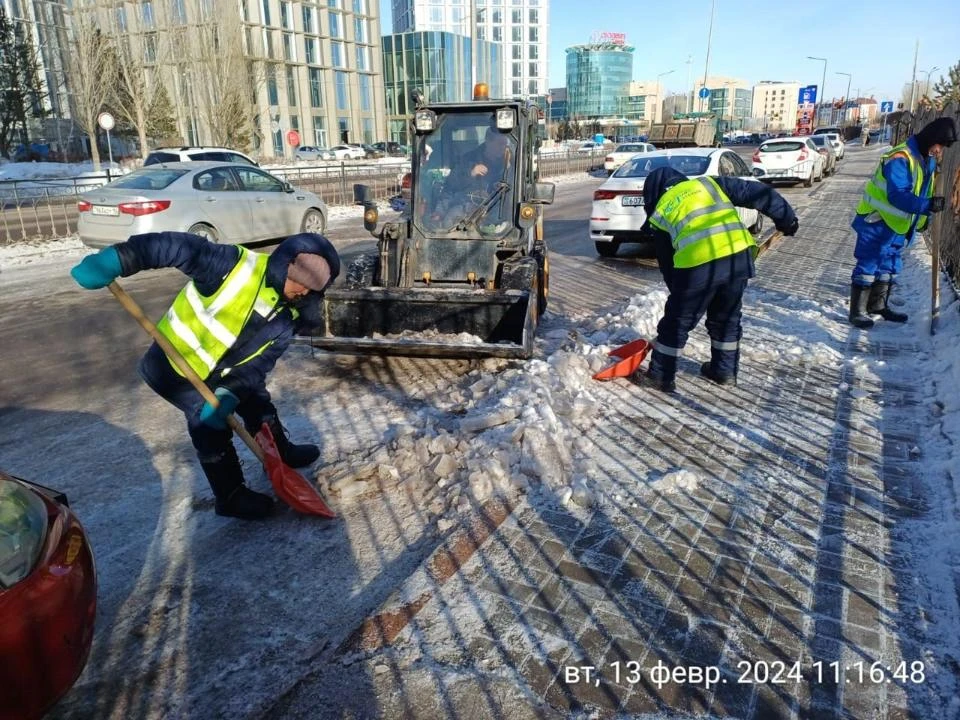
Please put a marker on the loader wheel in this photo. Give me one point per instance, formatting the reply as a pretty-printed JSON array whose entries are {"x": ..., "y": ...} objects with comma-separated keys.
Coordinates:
[
  {"x": 607, "y": 249},
  {"x": 362, "y": 272}
]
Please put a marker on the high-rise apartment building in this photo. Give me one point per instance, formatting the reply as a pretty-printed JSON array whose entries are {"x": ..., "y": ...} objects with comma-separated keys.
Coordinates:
[
  {"x": 520, "y": 26},
  {"x": 775, "y": 105}
]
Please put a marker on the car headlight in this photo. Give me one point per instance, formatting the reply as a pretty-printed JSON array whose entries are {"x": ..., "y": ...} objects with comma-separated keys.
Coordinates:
[{"x": 23, "y": 528}]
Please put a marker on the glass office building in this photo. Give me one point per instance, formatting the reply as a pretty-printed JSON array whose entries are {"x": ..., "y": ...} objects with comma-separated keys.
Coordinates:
[
  {"x": 598, "y": 75},
  {"x": 438, "y": 64}
]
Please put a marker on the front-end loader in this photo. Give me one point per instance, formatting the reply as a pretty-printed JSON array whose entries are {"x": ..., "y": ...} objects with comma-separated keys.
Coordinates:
[{"x": 464, "y": 272}]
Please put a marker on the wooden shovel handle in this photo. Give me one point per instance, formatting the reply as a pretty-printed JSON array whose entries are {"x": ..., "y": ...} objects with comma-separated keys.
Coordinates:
[{"x": 130, "y": 305}]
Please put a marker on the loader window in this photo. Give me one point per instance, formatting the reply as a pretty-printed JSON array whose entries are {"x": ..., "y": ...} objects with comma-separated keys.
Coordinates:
[{"x": 466, "y": 178}]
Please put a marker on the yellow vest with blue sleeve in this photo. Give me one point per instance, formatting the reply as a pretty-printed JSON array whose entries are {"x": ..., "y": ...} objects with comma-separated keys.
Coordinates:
[
  {"x": 702, "y": 222},
  {"x": 204, "y": 328},
  {"x": 875, "y": 201}
]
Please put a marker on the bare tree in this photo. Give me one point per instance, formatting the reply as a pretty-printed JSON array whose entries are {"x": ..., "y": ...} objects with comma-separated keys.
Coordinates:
[
  {"x": 21, "y": 94},
  {"x": 92, "y": 66},
  {"x": 139, "y": 83},
  {"x": 221, "y": 81}
]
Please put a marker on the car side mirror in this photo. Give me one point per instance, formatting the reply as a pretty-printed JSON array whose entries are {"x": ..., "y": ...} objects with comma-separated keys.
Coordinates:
[
  {"x": 287, "y": 187},
  {"x": 757, "y": 172},
  {"x": 361, "y": 194},
  {"x": 542, "y": 193}
]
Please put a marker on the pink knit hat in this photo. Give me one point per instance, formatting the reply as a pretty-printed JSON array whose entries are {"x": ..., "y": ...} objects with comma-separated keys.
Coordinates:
[{"x": 310, "y": 270}]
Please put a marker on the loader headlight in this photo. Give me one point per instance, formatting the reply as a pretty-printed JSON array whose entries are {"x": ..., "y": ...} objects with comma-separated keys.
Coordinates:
[
  {"x": 425, "y": 121},
  {"x": 505, "y": 119},
  {"x": 23, "y": 527}
]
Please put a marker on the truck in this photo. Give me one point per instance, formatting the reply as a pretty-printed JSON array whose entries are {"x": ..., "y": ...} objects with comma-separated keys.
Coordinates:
[
  {"x": 685, "y": 132},
  {"x": 464, "y": 272}
]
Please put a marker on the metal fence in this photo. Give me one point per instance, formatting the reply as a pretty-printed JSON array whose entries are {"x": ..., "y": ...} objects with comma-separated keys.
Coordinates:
[
  {"x": 47, "y": 209},
  {"x": 945, "y": 225}
]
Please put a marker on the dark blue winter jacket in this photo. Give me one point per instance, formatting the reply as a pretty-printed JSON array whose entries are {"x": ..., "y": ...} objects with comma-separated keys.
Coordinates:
[
  {"x": 207, "y": 264},
  {"x": 743, "y": 193}
]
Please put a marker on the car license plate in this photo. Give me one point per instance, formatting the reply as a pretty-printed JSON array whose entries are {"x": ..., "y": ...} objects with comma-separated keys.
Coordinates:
[
  {"x": 631, "y": 200},
  {"x": 105, "y": 210},
  {"x": 776, "y": 172}
]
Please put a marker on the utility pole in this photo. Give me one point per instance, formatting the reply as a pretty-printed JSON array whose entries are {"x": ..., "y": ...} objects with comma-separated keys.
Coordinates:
[
  {"x": 473, "y": 49},
  {"x": 913, "y": 82},
  {"x": 706, "y": 65},
  {"x": 688, "y": 105}
]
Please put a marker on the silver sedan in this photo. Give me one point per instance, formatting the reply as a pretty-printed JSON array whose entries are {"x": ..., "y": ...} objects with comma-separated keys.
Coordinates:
[{"x": 223, "y": 202}]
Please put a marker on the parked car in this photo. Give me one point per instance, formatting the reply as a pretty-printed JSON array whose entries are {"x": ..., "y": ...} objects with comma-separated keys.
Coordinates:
[
  {"x": 837, "y": 141},
  {"x": 220, "y": 201},
  {"x": 620, "y": 153},
  {"x": 48, "y": 598},
  {"x": 198, "y": 153},
  {"x": 829, "y": 152},
  {"x": 312, "y": 152},
  {"x": 792, "y": 159},
  {"x": 617, "y": 215},
  {"x": 392, "y": 148},
  {"x": 348, "y": 152},
  {"x": 369, "y": 152},
  {"x": 590, "y": 148},
  {"x": 828, "y": 129}
]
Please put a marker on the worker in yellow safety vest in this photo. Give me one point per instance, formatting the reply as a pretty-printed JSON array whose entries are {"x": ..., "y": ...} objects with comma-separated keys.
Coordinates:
[
  {"x": 897, "y": 202},
  {"x": 705, "y": 253}
]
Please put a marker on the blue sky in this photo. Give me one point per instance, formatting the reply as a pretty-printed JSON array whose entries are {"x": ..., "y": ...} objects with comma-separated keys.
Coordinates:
[{"x": 766, "y": 39}]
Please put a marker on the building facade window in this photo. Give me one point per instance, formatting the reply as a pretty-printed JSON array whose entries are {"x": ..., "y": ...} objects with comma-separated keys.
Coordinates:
[
  {"x": 359, "y": 30},
  {"x": 335, "y": 30},
  {"x": 288, "y": 51},
  {"x": 316, "y": 88},
  {"x": 286, "y": 16},
  {"x": 179, "y": 13},
  {"x": 266, "y": 11},
  {"x": 309, "y": 20},
  {"x": 363, "y": 55},
  {"x": 147, "y": 17},
  {"x": 273, "y": 95},
  {"x": 360, "y": 7},
  {"x": 291, "y": 85},
  {"x": 319, "y": 131},
  {"x": 336, "y": 54},
  {"x": 343, "y": 125},
  {"x": 343, "y": 95},
  {"x": 310, "y": 50},
  {"x": 365, "y": 94}
]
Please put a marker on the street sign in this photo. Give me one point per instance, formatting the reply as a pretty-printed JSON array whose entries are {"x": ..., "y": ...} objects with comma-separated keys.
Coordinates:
[
  {"x": 293, "y": 138},
  {"x": 886, "y": 106},
  {"x": 807, "y": 94},
  {"x": 704, "y": 93},
  {"x": 105, "y": 120}
]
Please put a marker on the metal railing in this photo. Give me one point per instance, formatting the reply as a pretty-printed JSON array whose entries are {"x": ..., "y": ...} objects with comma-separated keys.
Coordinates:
[{"x": 47, "y": 209}]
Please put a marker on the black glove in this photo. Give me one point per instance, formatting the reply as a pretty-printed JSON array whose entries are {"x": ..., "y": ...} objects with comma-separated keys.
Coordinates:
[
  {"x": 937, "y": 203},
  {"x": 789, "y": 228}
]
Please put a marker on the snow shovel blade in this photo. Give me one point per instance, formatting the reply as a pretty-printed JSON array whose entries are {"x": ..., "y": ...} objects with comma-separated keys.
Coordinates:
[
  {"x": 289, "y": 485},
  {"x": 631, "y": 356}
]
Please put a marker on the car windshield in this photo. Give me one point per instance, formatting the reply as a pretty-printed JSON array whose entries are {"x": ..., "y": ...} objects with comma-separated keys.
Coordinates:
[
  {"x": 466, "y": 175},
  {"x": 144, "y": 179},
  {"x": 784, "y": 146},
  {"x": 629, "y": 148},
  {"x": 819, "y": 140},
  {"x": 833, "y": 137},
  {"x": 643, "y": 165}
]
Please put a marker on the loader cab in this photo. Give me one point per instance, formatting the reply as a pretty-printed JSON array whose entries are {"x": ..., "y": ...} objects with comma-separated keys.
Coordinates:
[{"x": 466, "y": 172}]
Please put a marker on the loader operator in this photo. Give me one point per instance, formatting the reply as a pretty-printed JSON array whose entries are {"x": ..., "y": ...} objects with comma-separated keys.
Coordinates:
[
  {"x": 231, "y": 322},
  {"x": 897, "y": 201},
  {"x": 706, "y": 257}
]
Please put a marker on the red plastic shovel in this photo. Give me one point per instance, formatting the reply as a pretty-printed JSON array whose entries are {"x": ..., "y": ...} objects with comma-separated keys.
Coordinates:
[
  {"x": 631, "y": 355},
  {"x": 289, "y": 485}
]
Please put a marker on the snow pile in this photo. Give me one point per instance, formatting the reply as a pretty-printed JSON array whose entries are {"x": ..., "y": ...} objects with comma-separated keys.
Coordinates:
[
  {"x": 676, "y": 482},
  {"x": 520, "y": 424}
]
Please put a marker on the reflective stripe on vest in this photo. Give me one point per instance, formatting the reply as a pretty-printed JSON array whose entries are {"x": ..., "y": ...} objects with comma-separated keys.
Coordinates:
[
  {"x": 203, "y": 328},
  {"x": 875, "y": 192},
  {"x": 702, "y": 222}
]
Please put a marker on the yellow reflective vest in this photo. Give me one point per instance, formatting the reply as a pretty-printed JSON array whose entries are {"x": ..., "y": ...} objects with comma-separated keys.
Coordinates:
[
  {"x": 702, "y": 222},
  {"x": 875, "y": 199},
  {"x": 203, "y": 328}
]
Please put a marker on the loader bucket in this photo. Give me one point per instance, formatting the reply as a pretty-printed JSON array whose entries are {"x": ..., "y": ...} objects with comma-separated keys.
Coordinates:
[{"x": 427, "y": 322}]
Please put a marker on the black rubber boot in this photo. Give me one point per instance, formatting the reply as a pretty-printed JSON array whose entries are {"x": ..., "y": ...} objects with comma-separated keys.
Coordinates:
[
  {"x": 660, "y": 373},
  {"x": 296, "y": 456},
  {"x": 859, "y": 295},
  {"x": 233, "y": 498},
  {"x": 706, "y": 369},
  {"x": 879, "y": 303}
]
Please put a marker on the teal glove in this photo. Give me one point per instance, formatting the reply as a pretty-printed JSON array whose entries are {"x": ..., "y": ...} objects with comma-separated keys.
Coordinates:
[
  {"x": 216, "y": 417},
  {"x": 97, "y": 271}
]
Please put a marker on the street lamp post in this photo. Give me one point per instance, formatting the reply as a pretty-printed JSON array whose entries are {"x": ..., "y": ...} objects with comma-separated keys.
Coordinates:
[
  {"x": 659, "y": 93},
  {"x": 688, "y": 108},
  {"x": 706, "y": 65},
  {"x": 926, "y": 85},
  {"x": 846, "y": 98},
  {"x": 823, "y": 82}
]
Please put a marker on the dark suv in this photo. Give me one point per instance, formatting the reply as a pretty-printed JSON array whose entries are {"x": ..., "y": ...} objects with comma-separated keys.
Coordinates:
[{"x": 186, "y": 154}]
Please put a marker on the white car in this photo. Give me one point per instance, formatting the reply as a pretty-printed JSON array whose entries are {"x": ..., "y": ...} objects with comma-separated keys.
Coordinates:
[
  {"x": 620, "y": 153},
  {"x": 348, "y": 152},
  {"x": 837, "y": 143},
  {"x": 618, "y": 215},
  {"x": 791, "y": 159},
  {"x": 590, "y": 148}
]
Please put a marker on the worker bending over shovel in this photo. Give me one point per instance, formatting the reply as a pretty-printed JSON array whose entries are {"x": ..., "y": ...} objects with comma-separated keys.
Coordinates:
[
  {"x": 231, "y": 323},
  {"x": 706, "y": 257}
]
